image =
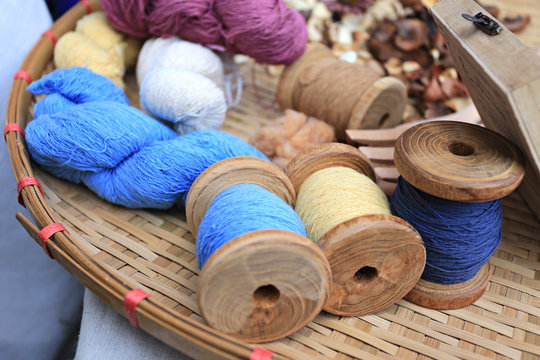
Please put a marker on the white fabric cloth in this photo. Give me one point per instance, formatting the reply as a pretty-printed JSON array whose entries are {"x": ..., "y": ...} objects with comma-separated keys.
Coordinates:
[
  {"x": 40, "y": 302},
  {"x": 105, "y": 334}
]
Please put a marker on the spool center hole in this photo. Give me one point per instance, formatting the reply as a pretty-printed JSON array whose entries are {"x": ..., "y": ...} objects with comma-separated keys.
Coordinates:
[
  {"x": 266, "y": 296},
  {"x": 460, "y": 149},
  {"x": 365, "y": 274},
  {"x": 383, "y": 120}
]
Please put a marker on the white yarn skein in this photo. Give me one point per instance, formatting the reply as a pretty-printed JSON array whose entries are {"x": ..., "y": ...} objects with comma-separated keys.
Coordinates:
[
  {"x": 189, "y": 56},
  {"x": 148, "y": 51},
  {"x": 177, "y": 53},
  {"x": 188, "y": 100}
]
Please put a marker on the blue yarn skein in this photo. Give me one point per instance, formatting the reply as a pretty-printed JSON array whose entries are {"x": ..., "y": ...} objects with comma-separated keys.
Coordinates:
[
  {"x": 85, "y": 132},
  {"x": 459, "y": 237},
  {"x": 124, "y": 155},
  {"x": 77, "y": 85},
  {"x": 241, "y": 209}
]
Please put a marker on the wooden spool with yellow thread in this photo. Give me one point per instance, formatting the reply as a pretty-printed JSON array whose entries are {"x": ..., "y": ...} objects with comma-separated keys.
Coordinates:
[
  {"x": 376, "y": 259},
  {"x": 460, "y": 162},
  {"x": 265, "y": 284}
]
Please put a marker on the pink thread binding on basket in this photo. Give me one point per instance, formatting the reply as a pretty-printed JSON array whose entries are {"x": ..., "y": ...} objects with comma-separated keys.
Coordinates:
[
  {"x": 261, "y": 354},
  {"x": 47, "y": 232},
  {"x": 51, "y": 36},
  {"x": 87, "y": 6},
  {"x": 13, "y": 127},
  {"x": 131, "y": 300},
  {"x": 24, "y": 182},
  {"x": 21, "y": 74}
]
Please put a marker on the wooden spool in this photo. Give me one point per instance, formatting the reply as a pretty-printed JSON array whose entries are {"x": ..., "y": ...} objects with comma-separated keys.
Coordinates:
[
  {"x": 380, "y": 105},
  {"x": 262, "y": 285},
  {"x": 460, "y": 162},
  {"x": 375, "y": 259}
]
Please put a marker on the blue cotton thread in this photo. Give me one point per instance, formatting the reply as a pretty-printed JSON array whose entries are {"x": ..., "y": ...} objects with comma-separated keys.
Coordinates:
[
  {"x": 239, "y": 210},
  {"x": 120, "y": 153},
  {"x": 459, "y": 237}
]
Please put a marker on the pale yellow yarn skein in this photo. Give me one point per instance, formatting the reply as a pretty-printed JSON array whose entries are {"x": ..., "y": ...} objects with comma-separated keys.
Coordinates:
[
  {"x": 97, "y": 28},
  {"x": 334, "y": 195},
  {"x": 75, "y": 49}
]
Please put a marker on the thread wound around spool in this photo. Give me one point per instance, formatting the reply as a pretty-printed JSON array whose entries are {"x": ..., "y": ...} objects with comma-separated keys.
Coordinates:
[
  {"x": 327, "y": 155},
  {"x": 375, "y": 259},
  {"x": 290, "y": 74},
  {"x": 230, "y": 172},
  {"x": 363, "y": 100},
  {"x": 263, "y": 285},
  {"x": 458, "y": 161}
]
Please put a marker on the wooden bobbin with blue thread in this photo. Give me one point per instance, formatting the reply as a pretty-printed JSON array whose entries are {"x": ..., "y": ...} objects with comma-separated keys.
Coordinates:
[
  {"x": 376, "y": 259},
  {"x": 459, "y": 162},
  {"x": 274, "y": 281}
]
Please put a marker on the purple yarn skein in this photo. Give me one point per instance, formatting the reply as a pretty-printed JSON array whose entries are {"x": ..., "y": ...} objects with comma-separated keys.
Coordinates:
[{"x": 266, "y": 30}]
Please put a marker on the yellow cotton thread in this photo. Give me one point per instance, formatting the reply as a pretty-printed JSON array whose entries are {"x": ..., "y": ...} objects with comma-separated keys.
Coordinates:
[{"x": 334, "y": 195}]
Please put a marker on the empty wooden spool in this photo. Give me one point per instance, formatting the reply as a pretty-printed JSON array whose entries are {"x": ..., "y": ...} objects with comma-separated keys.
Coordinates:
[
  {"x": 354, "y": 97},
  {"x": 375, "y": 259},
  {"x": 461, "y": 162},
  {"x": 265, "y": 284}
]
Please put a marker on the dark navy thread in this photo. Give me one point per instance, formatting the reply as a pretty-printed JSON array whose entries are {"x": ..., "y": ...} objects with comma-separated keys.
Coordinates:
[{"x": 459, "y": 237}]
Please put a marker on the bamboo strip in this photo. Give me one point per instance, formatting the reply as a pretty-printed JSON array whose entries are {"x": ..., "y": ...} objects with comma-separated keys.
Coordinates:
[
  {"x": 171, "y": 238},
  {"x": 481, "y": 321},
  {"x": 421, "y": 329},
  {"x": 411, "y": 344},
  {"x": 345, "y": 348},
  {"x": 513, "y": 304},
  {"x": 433, "y": 314},
  {"x": 313, "y": 344},
  {"x": 518, "y": 269},
  {"x": 188, "y": 284},
  {"x": 367, "y": 338},
  {"x": 177, "y": 296},
  {"x": 478, "y": 340},
  {"x": 124, "y": 241}
]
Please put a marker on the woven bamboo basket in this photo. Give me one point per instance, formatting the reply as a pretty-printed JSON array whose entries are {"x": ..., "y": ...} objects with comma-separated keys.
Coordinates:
[{"x": 112, "y": 250}]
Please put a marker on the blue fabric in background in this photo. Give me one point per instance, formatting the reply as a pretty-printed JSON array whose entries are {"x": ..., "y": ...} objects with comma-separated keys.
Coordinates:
[{"x": 59, "y": 7}]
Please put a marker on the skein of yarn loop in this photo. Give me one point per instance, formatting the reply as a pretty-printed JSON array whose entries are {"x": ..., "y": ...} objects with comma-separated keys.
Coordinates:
[
  {"x": 96, "y": 27},
  {"x": 376, "y": 258},
  {"x": 122, "y": 154},
  {"x": 175, "y": 53},
  {"x": 456, "y": 207},
  {"x": 194, "y": 21},
  {"x": 258, "y": 267},
  {"x": 64, "y": 87},
  {"x": 93, "y": 44},
  {"x": 266, "y": 30},
  {"x": 184, "y": 98}
]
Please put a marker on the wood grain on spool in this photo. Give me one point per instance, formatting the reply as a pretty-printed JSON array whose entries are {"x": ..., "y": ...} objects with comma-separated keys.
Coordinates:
[
  {"x": 265, "y": 284},
  {"x": 375, "y": 259},
  {"x": 353, "y": 96},
  {"x": 230, "y": 172},
  {"x": 454, "y": 296},
  {"x": 460, "y": 162}
]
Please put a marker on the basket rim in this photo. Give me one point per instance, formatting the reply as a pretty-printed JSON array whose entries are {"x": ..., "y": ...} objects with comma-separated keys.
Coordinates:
[{"x": 179, "y": 331}]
